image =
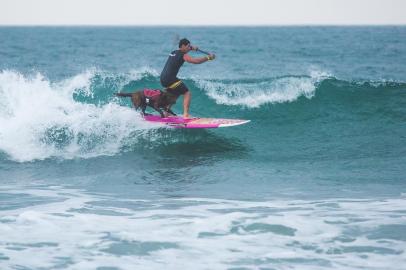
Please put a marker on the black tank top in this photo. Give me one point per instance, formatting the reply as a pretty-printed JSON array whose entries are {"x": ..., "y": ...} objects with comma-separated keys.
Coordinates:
[{"x": 171, "y": 69}]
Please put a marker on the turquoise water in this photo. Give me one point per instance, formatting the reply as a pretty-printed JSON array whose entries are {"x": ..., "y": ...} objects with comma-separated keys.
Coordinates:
[{"x": 316, "y": 180}]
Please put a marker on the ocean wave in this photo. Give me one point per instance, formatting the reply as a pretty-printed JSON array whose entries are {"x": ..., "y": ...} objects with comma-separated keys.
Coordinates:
[
  {"x": 40, "y": 119},
  {"x": 97, "y": 86},
  {"x": 254, "y": 93},
  {"x": 79, "y": 117}
]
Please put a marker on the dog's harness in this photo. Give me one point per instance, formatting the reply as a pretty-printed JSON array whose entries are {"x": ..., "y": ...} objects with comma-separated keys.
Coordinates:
[{"x": 151, "y": 95}]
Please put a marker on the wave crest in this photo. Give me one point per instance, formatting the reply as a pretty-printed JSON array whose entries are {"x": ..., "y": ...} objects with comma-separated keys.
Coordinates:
[
  {"x": 40, "y": 119},
  {"x": 254, "y": 93}
]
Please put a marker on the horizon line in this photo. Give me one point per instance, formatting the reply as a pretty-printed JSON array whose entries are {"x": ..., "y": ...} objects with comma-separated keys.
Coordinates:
[{"x": 197, "y": 25}]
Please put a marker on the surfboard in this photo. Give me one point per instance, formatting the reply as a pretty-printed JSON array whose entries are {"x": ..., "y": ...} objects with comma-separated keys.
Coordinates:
[{"x": 180, "y": 122}]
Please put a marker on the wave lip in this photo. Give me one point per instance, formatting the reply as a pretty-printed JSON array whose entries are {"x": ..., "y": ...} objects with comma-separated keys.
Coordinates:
[
  {"x": 40, "y": 119},
  {"x": 254, "y": 93}
]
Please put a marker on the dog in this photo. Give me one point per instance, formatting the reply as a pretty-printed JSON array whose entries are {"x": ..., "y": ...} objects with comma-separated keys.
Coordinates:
[{"x": 158, "y": 100}]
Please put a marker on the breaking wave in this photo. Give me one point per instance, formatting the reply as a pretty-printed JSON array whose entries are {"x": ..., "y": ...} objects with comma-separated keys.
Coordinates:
[
  {"x": 41, "y": 119},
  {"x": 79, "y": 117}
]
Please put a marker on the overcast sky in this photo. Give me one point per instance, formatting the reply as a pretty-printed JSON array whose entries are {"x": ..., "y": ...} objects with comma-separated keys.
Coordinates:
[{"x": 203, "y": 12}]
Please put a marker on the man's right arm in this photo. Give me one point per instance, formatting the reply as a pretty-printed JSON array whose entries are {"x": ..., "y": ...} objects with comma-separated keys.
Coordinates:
[{"x": 198, "y": 60}]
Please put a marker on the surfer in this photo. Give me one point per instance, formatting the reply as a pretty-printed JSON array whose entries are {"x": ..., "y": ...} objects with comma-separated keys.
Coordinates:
[{"x": 171, "y": 69}]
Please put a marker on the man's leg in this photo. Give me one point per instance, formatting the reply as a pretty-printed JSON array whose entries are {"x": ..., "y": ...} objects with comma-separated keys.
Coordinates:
[{"x": 186, "y": 104}]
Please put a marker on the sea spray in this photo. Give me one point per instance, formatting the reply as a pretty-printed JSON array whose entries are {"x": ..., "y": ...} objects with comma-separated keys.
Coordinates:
[{"x": 40, "y": 119}]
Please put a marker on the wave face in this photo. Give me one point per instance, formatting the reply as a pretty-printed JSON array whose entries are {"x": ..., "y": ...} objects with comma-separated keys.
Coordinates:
[{"x": 79, "y": 117}]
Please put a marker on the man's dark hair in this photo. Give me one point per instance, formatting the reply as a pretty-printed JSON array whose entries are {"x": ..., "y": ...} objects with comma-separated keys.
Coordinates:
[{"x": 183, "y": 41}]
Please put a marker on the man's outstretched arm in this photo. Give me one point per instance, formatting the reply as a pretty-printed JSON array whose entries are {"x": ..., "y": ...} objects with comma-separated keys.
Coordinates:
[{"x": 198, "y": 60}]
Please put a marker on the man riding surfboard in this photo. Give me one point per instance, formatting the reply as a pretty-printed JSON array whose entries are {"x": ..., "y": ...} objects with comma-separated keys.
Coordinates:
[{"x": 168, "y": 75}]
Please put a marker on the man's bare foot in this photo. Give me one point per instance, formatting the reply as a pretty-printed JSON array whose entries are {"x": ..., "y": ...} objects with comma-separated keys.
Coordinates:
[{"x": 186, "y": 116}]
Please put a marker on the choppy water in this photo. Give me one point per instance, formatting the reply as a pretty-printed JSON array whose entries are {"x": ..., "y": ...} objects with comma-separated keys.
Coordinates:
[{"x": 316, "y": 180}]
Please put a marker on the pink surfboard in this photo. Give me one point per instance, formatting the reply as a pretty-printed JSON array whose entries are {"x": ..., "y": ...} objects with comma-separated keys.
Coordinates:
[{"x": 180, "y": 122}]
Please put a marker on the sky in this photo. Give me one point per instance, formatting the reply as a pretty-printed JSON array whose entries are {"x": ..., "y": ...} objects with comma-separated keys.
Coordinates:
[{"x": 204, "y": 12}]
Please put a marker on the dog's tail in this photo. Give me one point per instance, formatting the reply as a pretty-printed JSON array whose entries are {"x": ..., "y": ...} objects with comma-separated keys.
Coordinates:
[{"x": 124, "y": 94}]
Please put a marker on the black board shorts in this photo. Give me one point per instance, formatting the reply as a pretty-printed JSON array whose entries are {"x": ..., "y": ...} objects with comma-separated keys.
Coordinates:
[{"x": 178, "y": 90}]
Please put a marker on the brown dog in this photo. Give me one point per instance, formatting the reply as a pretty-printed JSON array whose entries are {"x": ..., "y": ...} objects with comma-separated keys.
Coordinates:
[{"x": 154, "y": 98}]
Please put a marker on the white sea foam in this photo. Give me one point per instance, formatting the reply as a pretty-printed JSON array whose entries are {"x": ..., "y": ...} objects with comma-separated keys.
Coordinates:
[
  {"x": 41, "y": 119},
  {"x": 257, "y": 93},
  {"x": 137, "y": 74},
  {"x": 84, "y": 231}
]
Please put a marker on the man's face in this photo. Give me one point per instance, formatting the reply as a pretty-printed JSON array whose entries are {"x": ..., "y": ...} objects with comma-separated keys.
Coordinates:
[{"x": 185, "y": 48}]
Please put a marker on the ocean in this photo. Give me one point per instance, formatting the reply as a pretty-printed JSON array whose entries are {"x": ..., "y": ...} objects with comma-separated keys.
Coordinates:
[{"x": 316, "y": 180}]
